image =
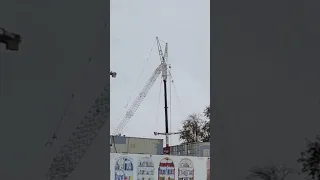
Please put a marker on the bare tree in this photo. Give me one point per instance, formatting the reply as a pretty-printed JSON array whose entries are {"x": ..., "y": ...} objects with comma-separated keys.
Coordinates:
[
  {"x": 271, "y": 172},
  {"x": 310, "y": 159}
]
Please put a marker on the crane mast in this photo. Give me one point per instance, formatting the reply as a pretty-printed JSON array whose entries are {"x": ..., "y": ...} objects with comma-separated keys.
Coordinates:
[
  {"x": 161, "y": 69},
  {"x": 163, "y": 59}
]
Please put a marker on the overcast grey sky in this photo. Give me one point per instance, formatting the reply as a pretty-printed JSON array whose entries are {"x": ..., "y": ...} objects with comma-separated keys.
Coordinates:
[
  {"x": 58, "y": 37},
  {"x": 185, "y": 25}
]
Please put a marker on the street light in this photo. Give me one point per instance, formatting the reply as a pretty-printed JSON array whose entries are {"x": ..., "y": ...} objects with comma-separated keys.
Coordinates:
[{"x": 11, "y": 40}]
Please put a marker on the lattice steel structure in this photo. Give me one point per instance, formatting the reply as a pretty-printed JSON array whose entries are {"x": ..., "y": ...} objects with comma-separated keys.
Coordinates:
[{"x": 71, "y": 153}]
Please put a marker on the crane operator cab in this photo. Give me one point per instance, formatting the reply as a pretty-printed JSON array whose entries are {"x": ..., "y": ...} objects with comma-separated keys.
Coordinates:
[{"x": 11, "y": 40}]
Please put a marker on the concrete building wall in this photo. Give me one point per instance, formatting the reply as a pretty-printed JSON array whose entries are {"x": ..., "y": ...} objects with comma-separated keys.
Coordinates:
[
  {"x": 201, "y": 149},
  {"x": 134, "y": 145}
]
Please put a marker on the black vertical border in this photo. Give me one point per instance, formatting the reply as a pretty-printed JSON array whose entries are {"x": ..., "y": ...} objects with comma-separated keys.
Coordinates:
[
  {"x": 222, "y": 13},
  {"x": 107, "y": 125},
  {"x": 293, "y": 46}
]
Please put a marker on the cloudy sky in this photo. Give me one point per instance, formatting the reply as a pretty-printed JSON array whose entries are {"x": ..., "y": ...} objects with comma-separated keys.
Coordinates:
[
  {"x": 58, "y": 38},
  {"x": 185, "y": 25}
]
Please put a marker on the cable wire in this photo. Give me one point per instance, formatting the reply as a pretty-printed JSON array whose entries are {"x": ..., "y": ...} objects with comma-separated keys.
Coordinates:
[
  {"x": 83, "y": 74},
  {"x": 140, "y": 75},
  {"x": 64, "y": 114},
  {"x": 159, "y": 99},
  {"x": 177, "y": 95}
]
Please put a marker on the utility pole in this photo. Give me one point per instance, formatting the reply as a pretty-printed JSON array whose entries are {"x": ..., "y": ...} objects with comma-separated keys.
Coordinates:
[{"x": 12, "y": 42}]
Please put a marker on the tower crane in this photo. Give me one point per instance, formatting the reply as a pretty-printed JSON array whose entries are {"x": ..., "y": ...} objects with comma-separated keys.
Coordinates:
[
  {"x": 136, "y": 103},
  {"x": 162, "y": 68},
  {"x": 65, "y": 162},
  {"x": 71, "y": 153}
]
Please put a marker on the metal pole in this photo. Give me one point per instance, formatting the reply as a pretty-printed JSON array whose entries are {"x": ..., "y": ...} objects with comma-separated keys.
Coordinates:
[{"x": 166, "y": 112}]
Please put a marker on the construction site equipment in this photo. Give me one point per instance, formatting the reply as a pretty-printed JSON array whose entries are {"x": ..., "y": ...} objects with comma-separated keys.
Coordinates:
[
  {"x": 161, "y": 69},
  {"x": 137, "y": 102},
  {"x": 71, "y": 153}
]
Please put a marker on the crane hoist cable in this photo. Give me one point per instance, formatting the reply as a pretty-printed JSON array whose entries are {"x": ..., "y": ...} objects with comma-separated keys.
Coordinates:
[
  {"x": 83, "y": 74},
  {"x": 140, "y": 75},
  {"x": 176, "y": 94},
  {"x": 54, "y": 136},
  {"x": 159, "y": 100}
]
